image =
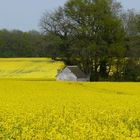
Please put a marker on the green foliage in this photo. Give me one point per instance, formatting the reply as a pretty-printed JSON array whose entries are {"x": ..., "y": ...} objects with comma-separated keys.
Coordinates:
[
  {"x": 91, "y": 29},
  {"x": 132, "y": 71},
  {"x": 20, "y": 44}
]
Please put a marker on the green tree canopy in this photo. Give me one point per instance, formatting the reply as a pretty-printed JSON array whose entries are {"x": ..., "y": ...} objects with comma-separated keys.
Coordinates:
[{"x": 90, "y": 31}]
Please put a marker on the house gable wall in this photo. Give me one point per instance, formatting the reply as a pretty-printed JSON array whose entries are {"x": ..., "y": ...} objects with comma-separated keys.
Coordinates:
[{"x": 66, "y": 75}]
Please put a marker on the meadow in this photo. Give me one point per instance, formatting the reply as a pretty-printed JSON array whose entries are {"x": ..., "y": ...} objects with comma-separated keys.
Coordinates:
[{"x": 50, "y": 110}]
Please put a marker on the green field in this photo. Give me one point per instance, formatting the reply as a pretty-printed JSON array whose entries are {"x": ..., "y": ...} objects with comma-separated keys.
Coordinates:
[{"x": 49, "y": 110}]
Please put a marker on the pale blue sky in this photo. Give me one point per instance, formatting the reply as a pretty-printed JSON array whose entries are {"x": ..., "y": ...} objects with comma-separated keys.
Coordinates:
[{"x": 25, "y": 14}]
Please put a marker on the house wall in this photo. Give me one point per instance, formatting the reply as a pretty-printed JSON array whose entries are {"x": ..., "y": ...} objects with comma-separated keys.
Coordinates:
[{"x": 66, "y": 75}]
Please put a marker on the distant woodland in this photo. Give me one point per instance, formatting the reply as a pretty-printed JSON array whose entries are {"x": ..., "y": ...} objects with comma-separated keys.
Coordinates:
[{"x": 97, "y": 35}]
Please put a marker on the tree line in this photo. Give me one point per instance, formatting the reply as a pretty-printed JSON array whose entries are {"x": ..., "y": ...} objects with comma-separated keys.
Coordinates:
[
  {"x": 16, "y": 43},
  {"x": 97, "y": 35}
]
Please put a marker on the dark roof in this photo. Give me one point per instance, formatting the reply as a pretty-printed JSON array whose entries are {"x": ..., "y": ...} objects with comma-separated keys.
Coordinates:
[{"x": 76, "y": 70}]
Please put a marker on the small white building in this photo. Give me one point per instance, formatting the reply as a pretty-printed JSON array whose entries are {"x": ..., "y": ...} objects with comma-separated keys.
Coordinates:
[{"x": 72, "y": 73}]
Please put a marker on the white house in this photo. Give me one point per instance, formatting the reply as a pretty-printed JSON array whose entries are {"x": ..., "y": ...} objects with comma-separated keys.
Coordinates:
[{"x": 72, "y": 73}]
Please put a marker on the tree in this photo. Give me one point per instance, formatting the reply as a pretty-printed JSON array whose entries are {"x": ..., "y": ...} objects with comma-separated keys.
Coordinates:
[
  {"x": 57, "y": 24},
  {"x": 131, "y": 22},
  {"x": 89, "y": 29}
]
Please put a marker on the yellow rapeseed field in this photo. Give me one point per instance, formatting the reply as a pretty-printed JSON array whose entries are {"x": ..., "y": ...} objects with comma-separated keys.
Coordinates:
[
  {"x": 39, "y": 68},
  {"x": 50, "y": 110},
  {"x": 43, "y": 110}
]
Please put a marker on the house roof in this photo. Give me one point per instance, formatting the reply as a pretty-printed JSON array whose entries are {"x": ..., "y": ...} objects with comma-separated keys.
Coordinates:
[{"x": 76, "y": 70}]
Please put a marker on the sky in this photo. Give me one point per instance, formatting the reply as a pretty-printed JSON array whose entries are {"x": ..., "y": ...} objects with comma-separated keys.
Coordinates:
[{"x": 25, "y": 14}]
